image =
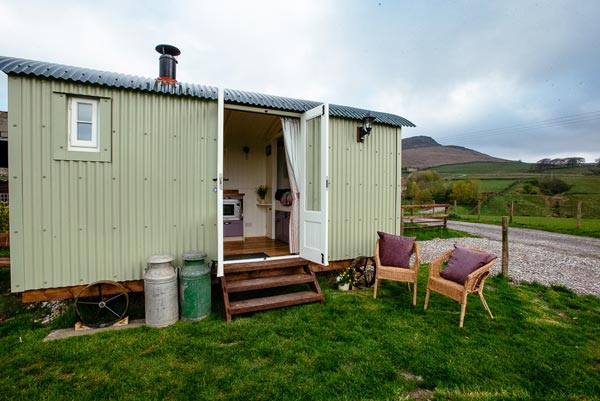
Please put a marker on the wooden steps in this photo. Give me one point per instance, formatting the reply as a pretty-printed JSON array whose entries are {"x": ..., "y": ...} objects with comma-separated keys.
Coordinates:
[{"x": 258, "y": 286}]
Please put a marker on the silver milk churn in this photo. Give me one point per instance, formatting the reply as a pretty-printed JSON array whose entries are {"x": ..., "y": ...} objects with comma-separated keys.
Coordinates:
[{"x": 160, "y": 292}]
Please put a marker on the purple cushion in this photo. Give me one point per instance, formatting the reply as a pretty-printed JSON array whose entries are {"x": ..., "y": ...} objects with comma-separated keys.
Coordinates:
[
  {"x": 463, "y": 262},
  {"x": 395, "y": 250}
]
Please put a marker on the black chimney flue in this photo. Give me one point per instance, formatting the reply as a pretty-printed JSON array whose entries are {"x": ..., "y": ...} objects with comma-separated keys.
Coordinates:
[{"x": 167, "y": 71}]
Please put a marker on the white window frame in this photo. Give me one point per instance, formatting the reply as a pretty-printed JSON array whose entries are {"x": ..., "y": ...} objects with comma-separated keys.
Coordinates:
[{"x": 92, "y": 145}]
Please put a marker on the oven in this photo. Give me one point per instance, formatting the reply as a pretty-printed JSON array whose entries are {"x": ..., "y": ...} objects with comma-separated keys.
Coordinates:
[{"x": 232, "y": 209}]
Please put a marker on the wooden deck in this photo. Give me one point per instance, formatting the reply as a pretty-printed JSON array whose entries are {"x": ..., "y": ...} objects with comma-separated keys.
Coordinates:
[{"x": 269, "y": 246}]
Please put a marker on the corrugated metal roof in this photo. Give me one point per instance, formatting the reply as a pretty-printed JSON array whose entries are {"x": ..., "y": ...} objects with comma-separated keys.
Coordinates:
[
  {"x": 11, "y": 65},
  {"x": 104, "y": 78}
]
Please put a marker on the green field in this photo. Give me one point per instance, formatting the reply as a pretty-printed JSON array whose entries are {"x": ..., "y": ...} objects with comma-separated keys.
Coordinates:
[
  {"x": 495, "y": 185},
  {"x": 505, "y": 183}
]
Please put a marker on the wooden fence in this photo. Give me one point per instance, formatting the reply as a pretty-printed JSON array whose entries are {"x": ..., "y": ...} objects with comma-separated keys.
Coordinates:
[{"x": 424, "y": 216}]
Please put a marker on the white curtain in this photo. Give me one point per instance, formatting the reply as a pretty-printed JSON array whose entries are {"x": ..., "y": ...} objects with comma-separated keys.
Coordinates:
[{"x": 292, "y": 142}]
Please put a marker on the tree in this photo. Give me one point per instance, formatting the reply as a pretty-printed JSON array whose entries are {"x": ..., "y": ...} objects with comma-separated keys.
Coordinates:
[
  {"x": 574, "y": 161},
  {"x": 429, "y": 181},
  {"x": 424, "y": 196},
  {"x": 465, "y": 192}
]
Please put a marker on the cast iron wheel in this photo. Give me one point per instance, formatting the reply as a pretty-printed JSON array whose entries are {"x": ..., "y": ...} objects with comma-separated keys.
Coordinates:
[
  {"x": 102, "y": 304},
  {"x": 365, "y": 271}
]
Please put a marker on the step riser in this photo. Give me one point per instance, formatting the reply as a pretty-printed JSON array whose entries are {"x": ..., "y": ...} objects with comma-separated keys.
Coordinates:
[
  {"x": 266, "y": 283},
  {"x": 238, "y": 308},
  {"x": 265, "y": 273}
]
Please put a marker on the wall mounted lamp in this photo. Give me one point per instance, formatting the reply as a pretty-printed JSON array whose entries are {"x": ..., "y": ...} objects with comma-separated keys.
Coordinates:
[{"x": 362, "y": 132}]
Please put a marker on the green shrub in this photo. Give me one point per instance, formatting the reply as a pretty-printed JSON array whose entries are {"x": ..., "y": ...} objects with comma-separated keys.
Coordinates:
[
  {"x": 3, "y": 217},
  {"x": 554, "y": 186}
]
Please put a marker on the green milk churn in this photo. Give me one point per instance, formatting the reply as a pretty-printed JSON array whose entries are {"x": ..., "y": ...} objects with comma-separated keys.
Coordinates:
[{"x": 194, "y": 287}]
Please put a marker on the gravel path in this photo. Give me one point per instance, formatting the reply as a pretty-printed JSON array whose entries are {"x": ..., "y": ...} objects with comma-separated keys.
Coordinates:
[{"x": 547, "y": 258}]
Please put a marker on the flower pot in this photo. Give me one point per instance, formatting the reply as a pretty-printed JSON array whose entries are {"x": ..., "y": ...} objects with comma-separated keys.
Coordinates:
[{"x": 344, "y": 287}]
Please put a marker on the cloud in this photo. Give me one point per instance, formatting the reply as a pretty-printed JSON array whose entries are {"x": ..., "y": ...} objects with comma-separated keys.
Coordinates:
[{"x": 450, "y": 67}]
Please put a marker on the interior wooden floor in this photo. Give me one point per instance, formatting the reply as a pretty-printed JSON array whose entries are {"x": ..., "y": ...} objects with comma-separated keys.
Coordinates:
[{"x": 269, "y": 246}]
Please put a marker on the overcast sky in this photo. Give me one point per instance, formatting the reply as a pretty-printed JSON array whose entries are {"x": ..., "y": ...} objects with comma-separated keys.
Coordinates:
[{"x": 514, "y": 79}]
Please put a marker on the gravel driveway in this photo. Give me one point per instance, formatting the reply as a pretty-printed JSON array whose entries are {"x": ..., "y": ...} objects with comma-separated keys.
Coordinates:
[{"x": 544, "y": 257}]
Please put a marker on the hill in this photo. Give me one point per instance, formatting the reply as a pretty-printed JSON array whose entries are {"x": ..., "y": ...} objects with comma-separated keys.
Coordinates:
[{"x": 423, "y": 152}]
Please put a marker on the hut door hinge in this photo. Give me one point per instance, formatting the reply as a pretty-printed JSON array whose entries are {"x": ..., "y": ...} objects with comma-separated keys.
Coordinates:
[
  {"x": 326, "y": 182},
  {"x": 322, "y": 259}
]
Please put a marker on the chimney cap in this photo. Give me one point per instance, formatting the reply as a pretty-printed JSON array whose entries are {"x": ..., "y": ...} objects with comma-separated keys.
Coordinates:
[{"x": 168, "y": 49}]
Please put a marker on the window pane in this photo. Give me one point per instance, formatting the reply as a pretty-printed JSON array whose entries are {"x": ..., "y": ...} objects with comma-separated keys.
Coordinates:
[
  {"x": 313, "y": 164},
  {"x": 84, "y": 112},
  {"x": 84, "y": 132}
]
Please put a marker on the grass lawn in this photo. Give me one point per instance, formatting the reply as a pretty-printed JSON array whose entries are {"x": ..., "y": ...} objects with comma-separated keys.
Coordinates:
[
  {"x": 543, "y": 345},
  {"x": 589, "y": 227}
]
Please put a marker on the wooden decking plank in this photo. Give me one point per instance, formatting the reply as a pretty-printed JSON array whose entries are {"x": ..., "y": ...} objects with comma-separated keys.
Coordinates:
[
  {"x": 268, "y": 282},
  {"x": 273, "y": 302}
]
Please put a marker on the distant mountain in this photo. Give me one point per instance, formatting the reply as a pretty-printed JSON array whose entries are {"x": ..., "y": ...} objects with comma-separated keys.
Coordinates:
[
  {"x": 423, "y": 152},
  {"x": 419, "y": 142}
]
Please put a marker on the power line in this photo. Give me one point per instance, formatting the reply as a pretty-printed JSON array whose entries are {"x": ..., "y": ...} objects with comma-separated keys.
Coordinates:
[{"x": 552, "y": 122}]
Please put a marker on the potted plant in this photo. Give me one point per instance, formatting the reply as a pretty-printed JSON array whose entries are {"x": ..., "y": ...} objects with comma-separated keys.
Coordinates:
[
  {"x": 261, "y": 191},
  {"x": 346, "y": 279}
]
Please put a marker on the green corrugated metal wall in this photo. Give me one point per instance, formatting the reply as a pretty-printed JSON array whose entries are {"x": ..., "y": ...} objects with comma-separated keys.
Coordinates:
[
  {"x": 75, "y": 222},
  {"x": 365, "y": 187}
]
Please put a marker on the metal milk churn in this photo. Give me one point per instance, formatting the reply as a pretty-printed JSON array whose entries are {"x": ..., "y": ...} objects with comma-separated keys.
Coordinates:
[
  {"x": 194, "y": 287},
  {"x": 160, "y": 292}
]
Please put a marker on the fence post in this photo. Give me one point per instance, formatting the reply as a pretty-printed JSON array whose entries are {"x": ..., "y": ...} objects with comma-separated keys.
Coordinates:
[
  {"x": 401, "y": 220},
  {"x": 455, "y": 207},
  {"x": 505, "y": 246},
  {"x": 578, "y": 215},
  {"x": 512, "y": 210},
  {"x": 479, "y": 210}
]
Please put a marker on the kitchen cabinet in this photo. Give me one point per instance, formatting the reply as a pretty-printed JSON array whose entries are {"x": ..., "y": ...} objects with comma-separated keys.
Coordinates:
[{"x": 233, "y": 228}]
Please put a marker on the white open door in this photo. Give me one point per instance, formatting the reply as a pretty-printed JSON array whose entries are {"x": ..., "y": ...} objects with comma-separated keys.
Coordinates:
[
  {"x": 219, "y": 183},
  {"x": 314, "y": 129}
]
